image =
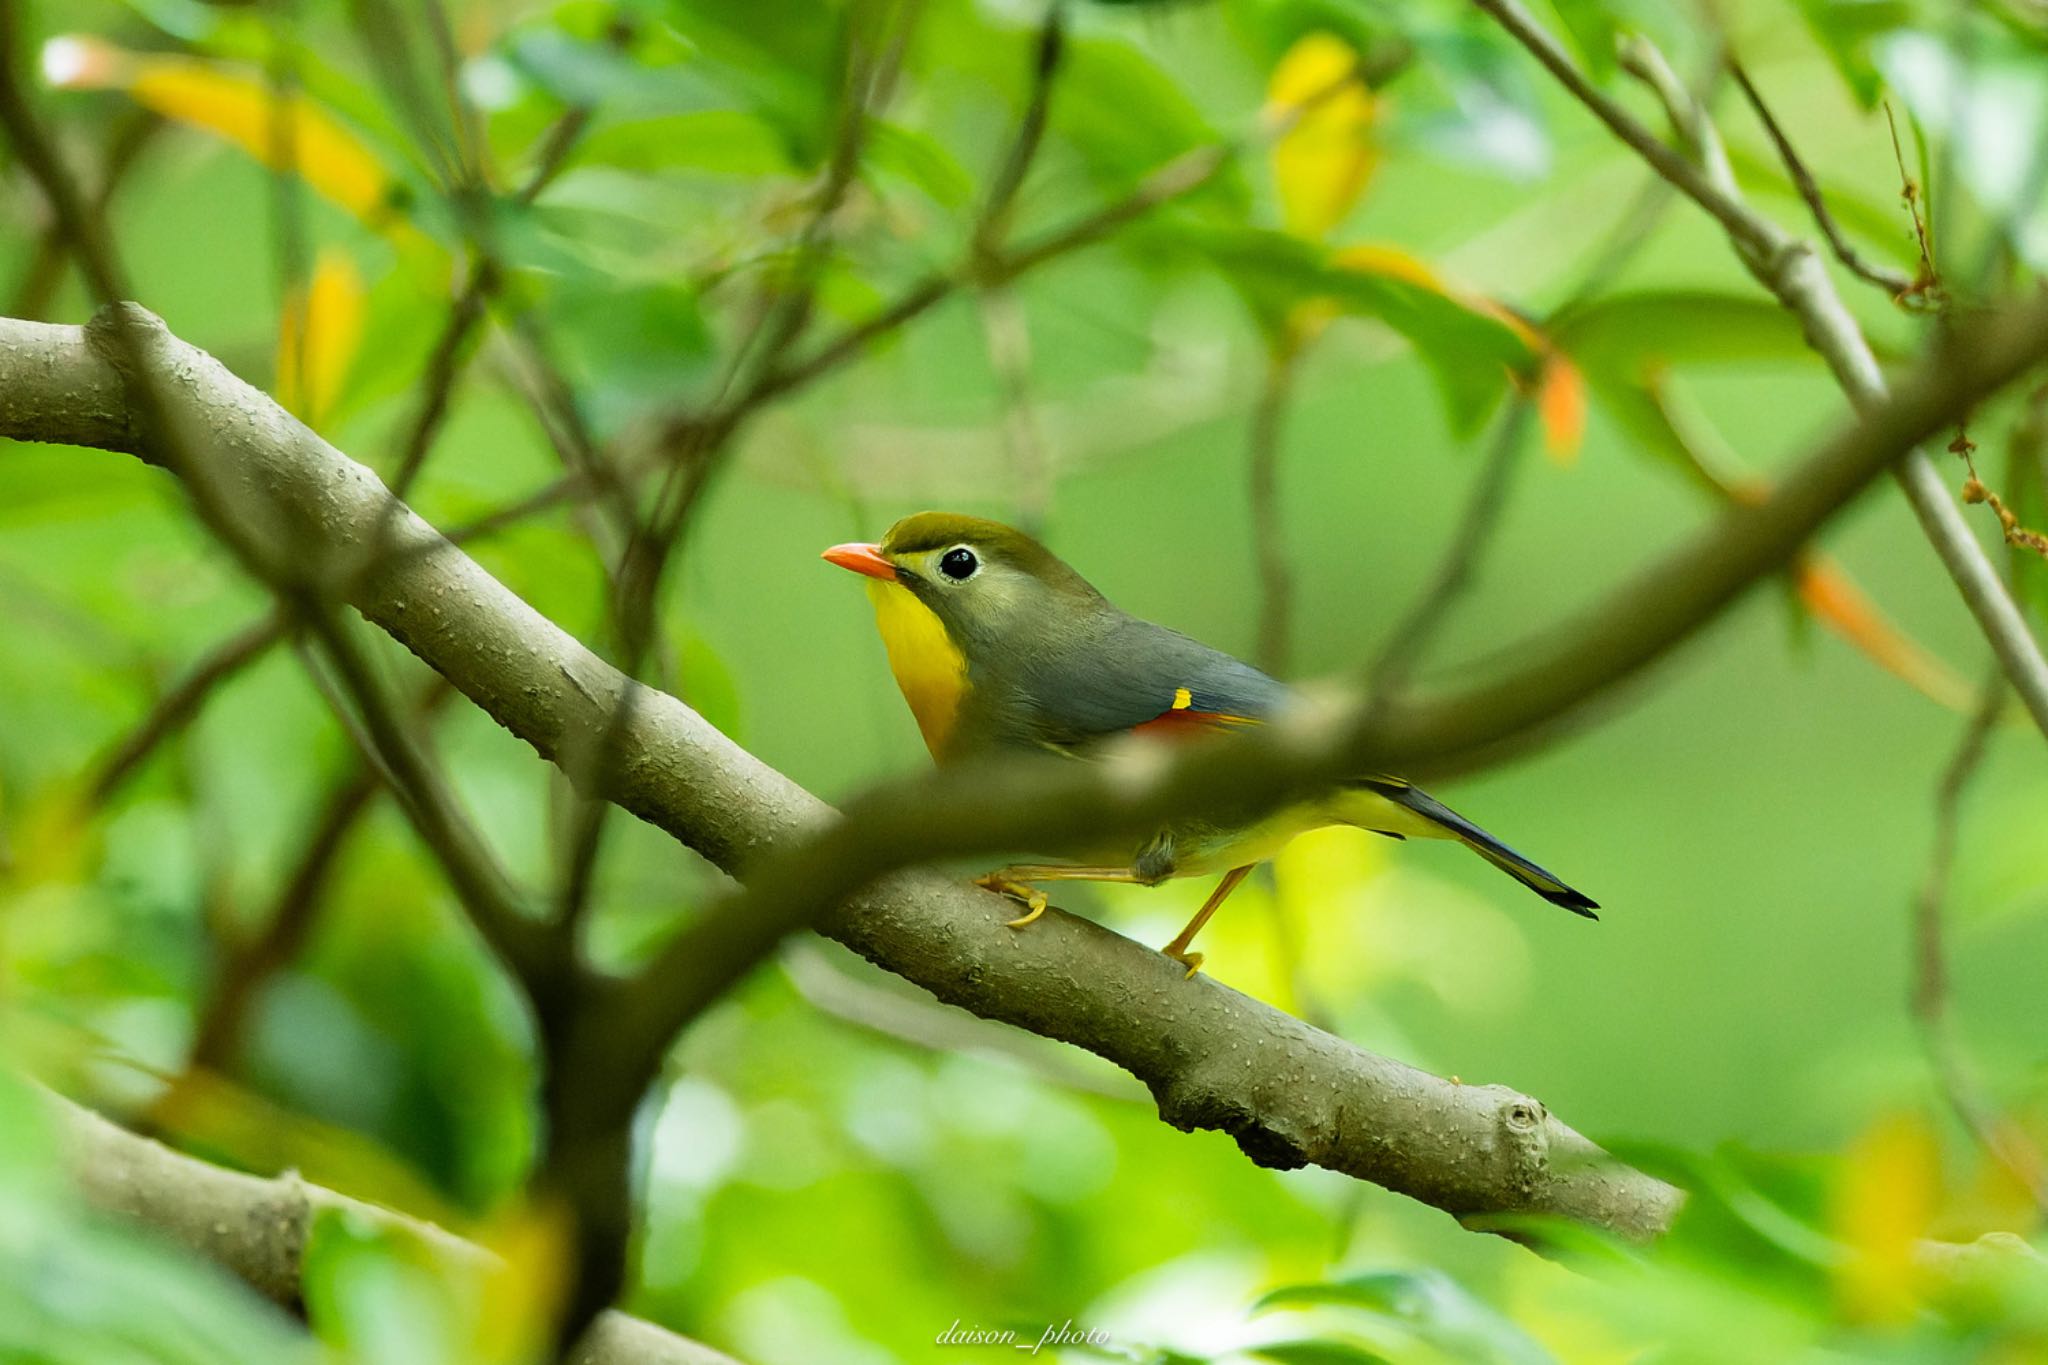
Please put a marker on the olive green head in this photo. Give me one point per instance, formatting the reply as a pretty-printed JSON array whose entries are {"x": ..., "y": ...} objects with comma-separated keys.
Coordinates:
[{"x": 990, "y": 584}]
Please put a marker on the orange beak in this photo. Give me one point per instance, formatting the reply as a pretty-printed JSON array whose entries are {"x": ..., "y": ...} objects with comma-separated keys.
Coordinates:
[{"x": 862, "y": 558}]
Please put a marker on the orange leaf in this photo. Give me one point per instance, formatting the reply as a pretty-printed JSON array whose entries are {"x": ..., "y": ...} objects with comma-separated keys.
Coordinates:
[
  {"x": 1830, "y": 594},
  {"x": 1561, "y": 407},
  {"x": 317, "y": 336},
  {"x": 1323, "y": 163},
  {"x": 291, "y": 132}
]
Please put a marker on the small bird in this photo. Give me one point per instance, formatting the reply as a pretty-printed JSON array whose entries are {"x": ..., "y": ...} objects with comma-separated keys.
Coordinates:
[{"x": 997, "y": 644}]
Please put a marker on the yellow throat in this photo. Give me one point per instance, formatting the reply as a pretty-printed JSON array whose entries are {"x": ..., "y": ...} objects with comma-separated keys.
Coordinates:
[{"x": 930, "y": 669}]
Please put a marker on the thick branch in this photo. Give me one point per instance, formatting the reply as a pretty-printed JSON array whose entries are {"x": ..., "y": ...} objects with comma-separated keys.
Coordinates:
[
  {"x": 1289, "y": 1094},
  {"x": 258, "y": 1228},
  {"x": 1212, "y": 1058}
]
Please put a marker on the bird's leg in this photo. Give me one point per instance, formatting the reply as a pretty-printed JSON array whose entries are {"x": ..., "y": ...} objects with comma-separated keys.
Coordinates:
[
  {"x": 1015, "y": 882},
  {"x": 1178, "y": 949}
]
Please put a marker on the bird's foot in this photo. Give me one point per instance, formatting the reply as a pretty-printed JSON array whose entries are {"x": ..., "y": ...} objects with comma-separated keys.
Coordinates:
[
  {"x": 1032, "y": 898},
  {"x": 1192, "y": 961}
]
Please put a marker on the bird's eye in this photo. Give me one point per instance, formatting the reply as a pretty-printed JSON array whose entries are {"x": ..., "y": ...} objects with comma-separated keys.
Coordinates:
[{"x": 958, "y": 564}]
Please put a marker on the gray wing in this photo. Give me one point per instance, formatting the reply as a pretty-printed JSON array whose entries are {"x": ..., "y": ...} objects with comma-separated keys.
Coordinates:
[{"x": 1136, "y": 673}]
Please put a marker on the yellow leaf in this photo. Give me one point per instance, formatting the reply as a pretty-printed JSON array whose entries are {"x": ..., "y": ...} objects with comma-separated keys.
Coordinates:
[
  {"x": 52, "y": 843},
  {"x": 205, "y": 1110},
  {"x": 1395, "y": 264},
  {"x": 239, "y": 106},
  {"x": 1323, "y": 163},
  {"x": 1884, "y": 1199},
  {"x": 1835, "y": 600},
  {"x": 317, "y": 336},
  {"x": 522, "y": 1291}
]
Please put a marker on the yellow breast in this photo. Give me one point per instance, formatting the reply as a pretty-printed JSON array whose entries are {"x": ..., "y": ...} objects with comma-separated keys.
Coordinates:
[{"x": 929, "y": 667}]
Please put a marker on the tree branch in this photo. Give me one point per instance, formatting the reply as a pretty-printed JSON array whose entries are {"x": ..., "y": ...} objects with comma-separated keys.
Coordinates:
[
  {"x": 1211, "y": 1057},
  {"x": 1289, "y": 1094},
  {"x": 258, "y": 1228}
]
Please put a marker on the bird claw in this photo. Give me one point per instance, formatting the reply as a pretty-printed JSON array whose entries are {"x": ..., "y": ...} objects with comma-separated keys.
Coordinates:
[
  {"x": 1193, "y": 961},
  {"x": 1033, "y": 899},
  {"x": 1034, "y": 907}
]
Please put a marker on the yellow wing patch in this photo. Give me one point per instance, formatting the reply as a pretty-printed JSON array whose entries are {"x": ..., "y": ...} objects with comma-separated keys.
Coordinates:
[{"x": 1182, "y": 699}]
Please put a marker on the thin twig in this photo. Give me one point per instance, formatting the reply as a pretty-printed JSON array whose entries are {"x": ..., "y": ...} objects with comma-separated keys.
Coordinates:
[
  {"x": 1408, "y": 640},
  {"x": 484, "y": 889},
  {"x": 288, "y": 926},
  {"x": 471, "y": 145},
  {"x": 992, "y": 224},
  {"x": 1722, "y": 206},
  {"x": 1894, "y": 282},
  {"x": 1966, "y": 1096},
  {"x": 1928, "y": 289},
  {"x": 250, "y": 964},
  {"x": 45, "y": 271},
  {"x": 1269, "y": 538},
  {"x": 293, "y": 258},
  {"x": 381, "y": 28},
  {"x": 1005, "y": 326},
  {"x": 1178, "y": 178},
  {"x": 1008, "y": 335},
  {"x": 1405, "y": 643},
  {"x": 182, "y": 701},
  {"x": 444, "y": 368},
  {"x": 1926, "y": 282}
]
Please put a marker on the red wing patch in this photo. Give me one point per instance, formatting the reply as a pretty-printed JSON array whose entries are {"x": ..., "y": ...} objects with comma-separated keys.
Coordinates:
[{"x": 1183, "y": 721}]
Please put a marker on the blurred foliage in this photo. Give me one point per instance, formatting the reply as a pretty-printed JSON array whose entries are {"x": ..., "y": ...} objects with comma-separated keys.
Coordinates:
[{"x": 307, "y": 187}]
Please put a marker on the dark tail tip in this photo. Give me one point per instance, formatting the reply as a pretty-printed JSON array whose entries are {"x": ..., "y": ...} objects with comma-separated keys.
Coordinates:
[{"x": 1576, "y": 902}]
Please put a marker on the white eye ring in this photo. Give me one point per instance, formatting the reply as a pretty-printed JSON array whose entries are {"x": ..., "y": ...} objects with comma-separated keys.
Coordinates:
[{"x": 959, "y": 564}]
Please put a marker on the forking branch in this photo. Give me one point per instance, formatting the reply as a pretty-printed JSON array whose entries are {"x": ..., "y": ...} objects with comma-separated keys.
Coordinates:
[
  {"x": 1289, "y": 1094},
  {"x": 1793, "y": 273}
]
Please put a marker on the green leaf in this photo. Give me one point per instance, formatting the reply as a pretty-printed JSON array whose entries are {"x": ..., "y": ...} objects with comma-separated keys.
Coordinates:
[
  {"x": 781, "y": 61},
  {"x": 598, "y": 74},
  {"x": 626, "y": 344},
  {"x": 1649, "y": 411},
  {"x": 1743, "y": 1213},
  {"x": 1468, "y": 352},
  {"x": 1315, "y": 1351},
  {"x": 1126, "y": 116},
  {"x": 1848, "y": 31},
  {"x": 1431, "y": 1304},
  {"x": 920, "y": 159},
  {"x": 1592, "y": 26},
  {"x": 707, "y": 683},
  {"x": 1633, "y": 332},
  {"x": 720, "y": 141},
  {"x": 371, "y": 1292}
]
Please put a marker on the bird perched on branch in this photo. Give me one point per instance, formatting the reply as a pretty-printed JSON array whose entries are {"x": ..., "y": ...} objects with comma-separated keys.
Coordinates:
[{"x": 997, "y": 644}]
